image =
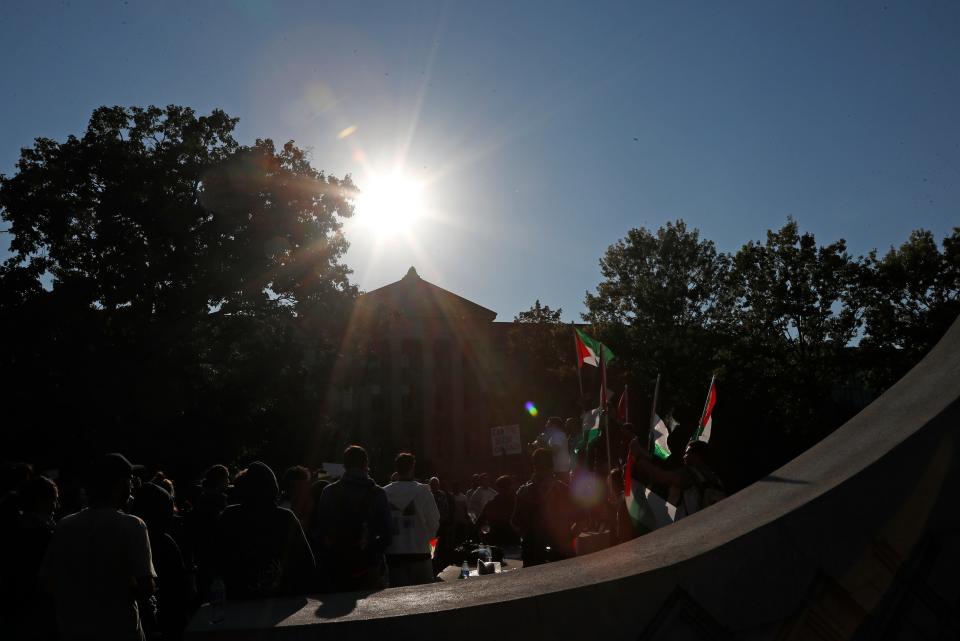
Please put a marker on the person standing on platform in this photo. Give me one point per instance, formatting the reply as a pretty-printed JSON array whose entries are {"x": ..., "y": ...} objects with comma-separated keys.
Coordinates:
[
  {"x": 262, "y": 550},
  {"x": 415, "y": 521},
  {"x": 544, "y": 514},
  {"x": 353, "y": 523},
  {"x": 480, "y": 497},
  {"x": 554, "y": 437},
  {"x": 99, "y": 561}
]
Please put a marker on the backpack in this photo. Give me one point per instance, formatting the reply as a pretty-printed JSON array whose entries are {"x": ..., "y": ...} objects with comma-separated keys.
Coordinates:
[{"x": 348, "y": 541}]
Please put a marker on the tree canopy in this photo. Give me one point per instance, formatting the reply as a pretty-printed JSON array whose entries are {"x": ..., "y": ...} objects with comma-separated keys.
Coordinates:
[
  {"x": 801, "y": 335},
  {"x": 165, "y": 277}
]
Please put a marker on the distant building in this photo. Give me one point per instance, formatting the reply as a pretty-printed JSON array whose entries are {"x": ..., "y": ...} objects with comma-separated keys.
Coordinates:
[{"x": 425, "y": 369}]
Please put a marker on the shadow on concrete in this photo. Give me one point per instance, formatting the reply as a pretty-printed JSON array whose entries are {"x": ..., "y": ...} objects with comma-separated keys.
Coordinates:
[
  {"x": 773, "y": 478},
  {"x": 339, "y": 604}
]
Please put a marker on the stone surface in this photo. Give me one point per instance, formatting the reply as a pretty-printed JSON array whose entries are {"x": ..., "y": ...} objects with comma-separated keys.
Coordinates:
[{"x": 854, "y": 539}]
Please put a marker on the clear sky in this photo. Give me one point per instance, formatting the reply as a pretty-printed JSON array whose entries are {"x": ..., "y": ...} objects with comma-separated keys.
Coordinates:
[{"x": 539, "y": 133}]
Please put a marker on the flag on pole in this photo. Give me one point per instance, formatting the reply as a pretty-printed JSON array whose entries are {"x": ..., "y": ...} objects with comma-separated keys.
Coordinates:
[
  {"x": 647, "y": 509},
  {"x": 706, "y": 421},
  {"x": 661, "y": 449},
  {"x": 588, "y": 350},
  {"x": 591, "y": 427},
  {"x": 623, "y": 413}
]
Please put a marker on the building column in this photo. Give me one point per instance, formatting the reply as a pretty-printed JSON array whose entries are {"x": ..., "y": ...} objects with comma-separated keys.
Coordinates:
[
  {"x": 428, "y": 425},
  {"x": 396, "y": 406},
  {"x": 456, "y": 432}
]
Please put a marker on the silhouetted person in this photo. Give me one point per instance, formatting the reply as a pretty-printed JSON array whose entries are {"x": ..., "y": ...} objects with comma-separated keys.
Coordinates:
[
  {"x": 554, "y": 437},
  {"x": 261, "y": 548},
  {"x": 99, "y": 561},
  {"x": 544, "y": 514},
  {"x": 498, "y": 515},
  {"x": 693, "y": 487},
  {"x": 28, "y": 610},
  {"x": 353, "y": 521},
  {"x": 311, "y": 528},
  {"x": 415, "y": 521},
  {"x": 201, "y": 523},
  {"x": 174, "y": 594},
  {"x": 461, "y": 518},
  {"x": 480, "y": 496},
  {"x": 295, "y": 496}
]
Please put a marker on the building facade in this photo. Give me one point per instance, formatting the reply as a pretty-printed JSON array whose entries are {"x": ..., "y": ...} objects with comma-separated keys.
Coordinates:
[{"x": 426, "y": 370}]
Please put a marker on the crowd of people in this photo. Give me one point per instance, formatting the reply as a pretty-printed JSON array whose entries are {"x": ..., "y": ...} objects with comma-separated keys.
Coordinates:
[{"x": 137, "y": 558}]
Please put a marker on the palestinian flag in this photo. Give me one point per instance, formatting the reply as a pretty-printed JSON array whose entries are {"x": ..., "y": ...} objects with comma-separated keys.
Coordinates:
[
  {"x": 706, "y": 422},
  {"x": 591, "y": 426},
  {"x": 588, "y": 350},
  {"x": 590, "y": 430},
  {"x": 660, "y": 434}
]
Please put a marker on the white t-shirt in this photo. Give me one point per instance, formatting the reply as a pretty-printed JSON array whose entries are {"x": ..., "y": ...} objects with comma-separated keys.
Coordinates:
[{"x": 92, "y": 564}]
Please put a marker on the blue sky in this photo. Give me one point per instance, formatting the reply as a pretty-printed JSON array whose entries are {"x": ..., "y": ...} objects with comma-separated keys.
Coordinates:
[{"x": 545, "y": 130}]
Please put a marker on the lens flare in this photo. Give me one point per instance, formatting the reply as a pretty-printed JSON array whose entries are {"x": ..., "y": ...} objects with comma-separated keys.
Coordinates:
[
  {"x": 531, "y": 408},
  {"x": 587, "y": 490}
]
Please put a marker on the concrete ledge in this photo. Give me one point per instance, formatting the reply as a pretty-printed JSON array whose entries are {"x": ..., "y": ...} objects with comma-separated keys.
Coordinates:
[{"x": 854, "y": 537}]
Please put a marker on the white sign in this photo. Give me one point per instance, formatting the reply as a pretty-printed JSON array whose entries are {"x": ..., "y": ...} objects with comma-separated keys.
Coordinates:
[
  {"x": 506, "y": 440},
  {"x": 332, "y": 470}
]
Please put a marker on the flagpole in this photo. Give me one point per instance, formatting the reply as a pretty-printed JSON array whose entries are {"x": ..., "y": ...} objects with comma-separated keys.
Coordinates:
[
  {"x": 653, "y": 413},
  {"x": 706, "y": 402},
  {"x": 576, "y": 351},
  {"x": 603, "y": 411},
  {"x": 626, "y": 404}
]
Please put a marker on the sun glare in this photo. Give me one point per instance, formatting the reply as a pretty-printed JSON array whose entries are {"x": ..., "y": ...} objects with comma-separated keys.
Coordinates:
[{"x": 391, "y": 202}]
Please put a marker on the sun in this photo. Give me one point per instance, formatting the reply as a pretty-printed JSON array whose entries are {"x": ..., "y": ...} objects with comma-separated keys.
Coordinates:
[{"x": 390, "y": 202}]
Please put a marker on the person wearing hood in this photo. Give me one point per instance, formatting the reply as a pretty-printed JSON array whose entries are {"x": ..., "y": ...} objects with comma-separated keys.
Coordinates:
[
  {"x": 354, "y": 526},
  {"x": 262, "y": 550}
]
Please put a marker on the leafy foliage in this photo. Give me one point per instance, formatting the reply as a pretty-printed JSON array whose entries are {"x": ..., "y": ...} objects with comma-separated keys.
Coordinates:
[
  {"x": 780, "y": 322},
  {"x": 168, "y": 282}
]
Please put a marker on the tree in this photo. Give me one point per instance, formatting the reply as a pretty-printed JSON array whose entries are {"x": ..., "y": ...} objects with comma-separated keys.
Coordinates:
[
  {"x": 789, "y": 292},
  {"x": 657, "y": 306},
  {"x": 911, "y": 297},
  {"x": 170, "y": 285}
]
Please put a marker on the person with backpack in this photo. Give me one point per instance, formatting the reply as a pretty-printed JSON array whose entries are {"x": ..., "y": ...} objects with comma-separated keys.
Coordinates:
[
  {"x": 354, "y": 526},
  {"x": 544, "y": 514},
  {"x": 693, "y": 487}
]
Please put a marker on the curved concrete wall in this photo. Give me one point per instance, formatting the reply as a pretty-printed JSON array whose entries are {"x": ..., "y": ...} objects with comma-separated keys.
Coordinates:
[{"x": 859, "y": 537}]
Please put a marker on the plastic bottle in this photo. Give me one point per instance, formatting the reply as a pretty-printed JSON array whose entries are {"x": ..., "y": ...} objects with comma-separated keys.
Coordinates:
[
  {"x": 218, "y": 596},
  {"x": 464, "y": 570}
]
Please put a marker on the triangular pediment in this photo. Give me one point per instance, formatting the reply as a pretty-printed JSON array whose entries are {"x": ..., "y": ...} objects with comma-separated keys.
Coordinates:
[{"x": 414, "y": 298}]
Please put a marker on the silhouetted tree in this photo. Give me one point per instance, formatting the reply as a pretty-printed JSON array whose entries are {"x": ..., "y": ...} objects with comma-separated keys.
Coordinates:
[
  {"x": 657, "y": 307},
  {"x": 911, "y": 297},
  {"x": 169, "y": 289}
]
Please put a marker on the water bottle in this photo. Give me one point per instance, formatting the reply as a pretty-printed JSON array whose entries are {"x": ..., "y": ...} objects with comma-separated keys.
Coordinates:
[
  {"x": 218, "y": 596},
  {"x": 464, "y": 570}
]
